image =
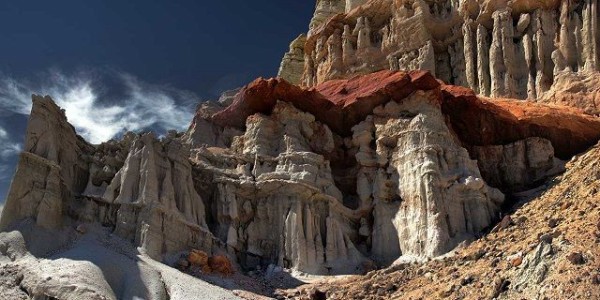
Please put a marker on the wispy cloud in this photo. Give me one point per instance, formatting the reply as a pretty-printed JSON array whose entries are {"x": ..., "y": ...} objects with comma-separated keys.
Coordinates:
[
  {"x": 7, "y": 148},
  {"x": 8, "y": 152},
  {"x": 95, "y": 115}
]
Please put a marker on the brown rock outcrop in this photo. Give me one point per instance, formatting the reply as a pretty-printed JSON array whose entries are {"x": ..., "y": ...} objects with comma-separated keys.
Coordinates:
[
  {"x": 477, "y": 121},
  {"x": 339, "y": 104},
  {"x": 218, "y": 264},
  {"x": 480, "y": 121}
]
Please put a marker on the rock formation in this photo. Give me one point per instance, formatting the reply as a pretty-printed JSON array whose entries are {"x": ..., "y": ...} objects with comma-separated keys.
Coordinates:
[
  {"x": 518, "y": 166},
  {"x": 325, "y": 180},
  {"x": 515, "y": 49},
  {"x": 51, "y": 170},
  {"x": 548, "y": 248},
  {"x": 140, "y": 186},
  {"x": 580, "y": 90},
  {"x": 377, "y": 144},
  {"x": 420, "y": 175},
  {"x": 292, "y": 64}
]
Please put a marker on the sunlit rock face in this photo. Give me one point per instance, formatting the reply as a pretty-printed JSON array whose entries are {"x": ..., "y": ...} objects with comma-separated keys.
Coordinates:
[
  {"x": 141, "y": 186},
  {"x": 378, "y": 154},
  {"x": 515, "y": 49},
  {"x": 277, "y": 201},
  {"x": 329, "y": 180},
  {"x": 581, "y": 90},
  {"x": 428, "y": 195},
  {"x": 51, "y": 170},
  {"x": 324, "y": 10},
  {"x": 292, "y": 64}
]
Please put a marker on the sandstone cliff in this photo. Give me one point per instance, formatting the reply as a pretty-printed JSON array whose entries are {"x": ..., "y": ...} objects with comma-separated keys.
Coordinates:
[
  {"x": 516, "y": 49},
  {"x": 548, "y": 247},
  {"x": 389, "y": 137},
  {"x": 341, "y": 178},
  {"x": 350, "y": 142},
  {"x": 335, "y": 179},
  {"x": 140, "y": 186}
]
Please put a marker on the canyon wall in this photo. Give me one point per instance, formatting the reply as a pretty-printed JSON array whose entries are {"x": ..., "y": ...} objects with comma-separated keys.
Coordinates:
[
  {"x": 360, "y": 171},
  {"x": 346, "y": 162},
  {"x": 514, "y": 49},
  {"x": 140, "y": 186},
  {"x": 336, "y": 179}
]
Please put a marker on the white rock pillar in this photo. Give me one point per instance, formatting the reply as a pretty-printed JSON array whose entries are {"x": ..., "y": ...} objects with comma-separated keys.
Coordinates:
[
  {"x": 470, "y": 53},
  {"x": 483, "y": 60}
]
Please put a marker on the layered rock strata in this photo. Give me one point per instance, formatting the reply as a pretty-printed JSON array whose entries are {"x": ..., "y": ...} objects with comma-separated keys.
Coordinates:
[
  {"x": 515, "y": 49},
  {"x": 373, "y": 121},
  {"x": 327, "y": 180}
]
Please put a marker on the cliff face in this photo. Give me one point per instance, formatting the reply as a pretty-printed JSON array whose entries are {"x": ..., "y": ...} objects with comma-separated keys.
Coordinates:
[
  {"x": 327, "y": 180},
  {"x": 515, "y": 49},
  {"x": 345, "y": 163},
  {"x": 140, "y": 186},
  {"x": 548, "y": 247},
  {"x": 51, "y": 169}
]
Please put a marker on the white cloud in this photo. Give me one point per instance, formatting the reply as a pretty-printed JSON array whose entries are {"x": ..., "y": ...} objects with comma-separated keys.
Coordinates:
[
  {"x": 96, "y": 118},
  {"x": 12, "y": 97},
  {"x": 7, "y": 148}
]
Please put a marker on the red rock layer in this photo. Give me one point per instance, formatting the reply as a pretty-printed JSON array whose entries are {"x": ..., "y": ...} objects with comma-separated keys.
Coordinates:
[
  {"x": 480, "y": 121},
  {"x": 341, "y": 104}
]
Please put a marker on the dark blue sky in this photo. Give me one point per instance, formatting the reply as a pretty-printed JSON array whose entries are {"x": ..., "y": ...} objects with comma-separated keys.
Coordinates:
[
  {"x": 188, "y": 43},
  {"x": 200, "y": 47}
]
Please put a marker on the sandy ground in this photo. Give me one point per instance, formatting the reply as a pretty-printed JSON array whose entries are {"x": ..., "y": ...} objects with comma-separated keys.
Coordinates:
[{"x": 96, "y": 265}]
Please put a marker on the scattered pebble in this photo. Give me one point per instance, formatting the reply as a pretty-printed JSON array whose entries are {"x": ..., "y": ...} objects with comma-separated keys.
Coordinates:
[
  {"x": 576, "y": 258},
  {"x": 467, "y": 280},
  {"x": 547, "y": 238}
]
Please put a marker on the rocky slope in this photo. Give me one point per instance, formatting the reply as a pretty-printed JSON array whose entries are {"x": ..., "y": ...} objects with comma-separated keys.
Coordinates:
[
  {"x": 516, "y": 49},
  {"x": 547, "y": 248}
]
